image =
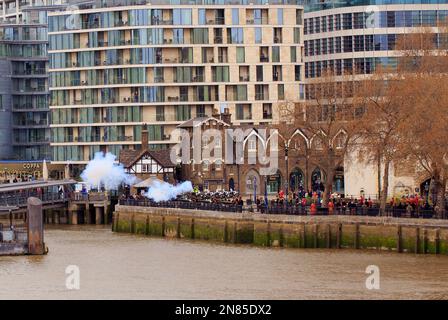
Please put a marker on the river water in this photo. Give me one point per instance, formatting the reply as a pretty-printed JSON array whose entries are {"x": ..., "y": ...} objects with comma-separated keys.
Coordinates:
[{"x": 114, "y": 266}]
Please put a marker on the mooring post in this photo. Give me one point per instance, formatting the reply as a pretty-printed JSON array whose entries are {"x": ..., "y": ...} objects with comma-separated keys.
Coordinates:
[
  {"x": 339, "y": 236},
  {"x": 357, "y": 235},
  {"x": 417, "y": 240},
  {"x": 437, "y": 242},
  {"x": 399, "y": 239},
  {"x": 36, "y": 245}
]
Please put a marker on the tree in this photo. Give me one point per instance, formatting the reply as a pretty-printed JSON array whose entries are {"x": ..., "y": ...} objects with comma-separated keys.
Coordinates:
[
  {"x": 426, "y": 67},
  {"x": 382, "y": 96}
]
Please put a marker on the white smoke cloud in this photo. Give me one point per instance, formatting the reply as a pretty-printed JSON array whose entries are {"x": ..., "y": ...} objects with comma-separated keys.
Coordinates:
[
  {"x": 102, "y": 171},
  {"x": 163, "y": 191}
]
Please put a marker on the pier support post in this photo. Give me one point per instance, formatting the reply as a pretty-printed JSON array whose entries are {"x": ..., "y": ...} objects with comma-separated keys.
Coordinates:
[
  {"x": 58, "y": 217},
  {"x": 316, "y": 235},
  {"x": 106, "y": 214},
  {"x": 98, "y": 215},
  {"x": 73, "y": 214}
]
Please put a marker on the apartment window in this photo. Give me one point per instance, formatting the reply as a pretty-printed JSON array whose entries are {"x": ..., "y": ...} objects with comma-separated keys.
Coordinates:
[
  {"x": 258, "y": 35},
  {"x": 240, "y": 55},
  {"x": 160, "y": 113},
  {"x": 200, "y": 111},
  {"x": 337, "y": 22},
  {"x": 220, "y": 74},
  {"x": 200, "y": 36},
  {"x": 347, "y": 21},
  {"x": 202, "y": 18},
  {"x": 235, "y": 16},
  {"x": 299, "y": 17},
  {"x": 296, "y": 35},
  {"x": 182, "y": 16},
  {"x": 337, "y": 44},
  {"x": 358, "y": 20},
  {"x": 330, "y": 24},
  {"x": 280, "y": 19},
  {"x": 277, "y": 73},
  {"x": 275, "y": 54},
  {"x": 267, "y": 110},
  {"x": 359, "y": 43},
  {"x": 235, "y": 36},
  {"x": 348, "y": 44},
  {"x": 310, "y": 26},
  {"x": 183, "y": 113},
  {"x": 264, "y": 54},
  {"x": 293, "y": 51},
  {"x": 281, "y": 92},
  {"x": 297, "y": 73},
  {"x": 259, "y": 73},
  {"x": 243, "y": 112},
  {"x": 317, "y": 24}
]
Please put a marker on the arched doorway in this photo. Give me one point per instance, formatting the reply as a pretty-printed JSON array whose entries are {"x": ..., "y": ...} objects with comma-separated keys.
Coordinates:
[
  {"x": 274, "y": 183},
  {"x": 338, "y": 182},
  {"x": 316, "y": 180},
  {"x": 252, "y": 182},
  {"x": 231, "y": 184},
  {"x": 296, "y": 180}
]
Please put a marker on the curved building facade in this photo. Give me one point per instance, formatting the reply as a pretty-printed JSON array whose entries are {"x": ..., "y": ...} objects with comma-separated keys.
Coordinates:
[
  {"x": 356, "y": 37},
  {"x": 359, "y": 35}
]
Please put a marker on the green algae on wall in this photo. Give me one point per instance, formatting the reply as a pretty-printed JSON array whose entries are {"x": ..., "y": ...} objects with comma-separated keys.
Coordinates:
[{"x": 306, "y": 233}]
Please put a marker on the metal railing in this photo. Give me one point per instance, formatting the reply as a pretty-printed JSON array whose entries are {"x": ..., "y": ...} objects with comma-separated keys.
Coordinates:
[
  {"x": 21, "y": 200},
  {"x": 284, "y": 209},
  {"x": 207, "y": 206}
]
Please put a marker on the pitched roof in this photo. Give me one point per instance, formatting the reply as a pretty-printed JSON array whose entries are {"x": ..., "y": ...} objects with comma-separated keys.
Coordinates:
[
  {"x": 129, "y": 157},
  {"x": 200, "y": 121}
]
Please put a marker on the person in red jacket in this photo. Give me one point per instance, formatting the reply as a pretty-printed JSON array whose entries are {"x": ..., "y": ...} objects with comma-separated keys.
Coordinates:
[
  {"x": 330, "y": 207},
  {"x": 313, "y": 208}
]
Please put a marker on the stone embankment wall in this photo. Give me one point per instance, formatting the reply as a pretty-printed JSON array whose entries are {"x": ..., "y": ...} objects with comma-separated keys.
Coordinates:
[{"x": 332, "y": 232}]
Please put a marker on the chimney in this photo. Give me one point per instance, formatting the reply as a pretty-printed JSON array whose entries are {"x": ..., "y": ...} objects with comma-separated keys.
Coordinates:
[
  {"x": 145, "y": 138},
  {"x": 226, "y": 116},
  {"x": 216, "y": 114}
]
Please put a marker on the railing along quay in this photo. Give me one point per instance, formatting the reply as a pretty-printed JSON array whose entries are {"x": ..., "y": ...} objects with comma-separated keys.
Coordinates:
[{"x": 284, "y": 209}]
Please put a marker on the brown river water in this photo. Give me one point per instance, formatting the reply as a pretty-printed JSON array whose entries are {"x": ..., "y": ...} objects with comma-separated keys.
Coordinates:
[{"x": 120, "y": 266}]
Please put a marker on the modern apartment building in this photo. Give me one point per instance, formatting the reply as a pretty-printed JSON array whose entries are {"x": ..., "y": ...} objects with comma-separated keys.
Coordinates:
[
  {"x": 359, "y": 35},
  {"x": 356, "y": 37},
  {"x": 24, "y": 87},
  {"x": 24, "y": 110},
  {"x": 121, "y": 64}
]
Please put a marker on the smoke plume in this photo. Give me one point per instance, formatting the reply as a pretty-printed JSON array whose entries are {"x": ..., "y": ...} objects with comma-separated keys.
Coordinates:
[
  {"x": 163, "y": 191},
  {"x": 102, "y": 171}
]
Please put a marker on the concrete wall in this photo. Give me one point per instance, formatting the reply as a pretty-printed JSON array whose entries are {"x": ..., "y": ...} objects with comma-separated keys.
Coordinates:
[
  {"x": 5, "y": 110},
  {"x": 361, "y": 175},
  {"x": 400, "y": 235}
]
